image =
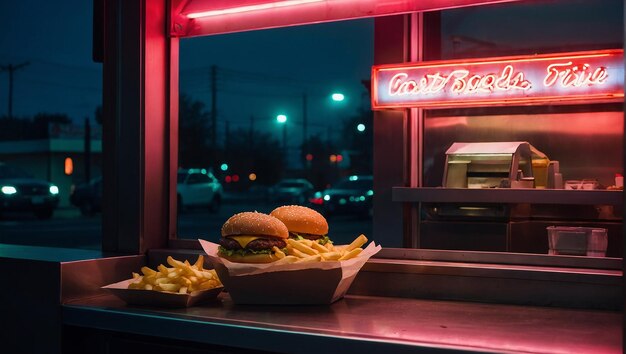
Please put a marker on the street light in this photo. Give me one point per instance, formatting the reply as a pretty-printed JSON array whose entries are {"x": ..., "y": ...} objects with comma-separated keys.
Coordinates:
[
  {"x": 337, "y": 97},
  {"x": 282, "y": 119},
  {"x": 360, "y": 127}
]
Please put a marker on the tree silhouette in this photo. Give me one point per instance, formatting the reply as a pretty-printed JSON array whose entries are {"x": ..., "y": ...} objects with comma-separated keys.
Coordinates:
[
  {"x": 193, "y": 132},
  {"x": 98, "y": 114},
  {"x": 30, "y": 129},
  {"x": 257, "y": 153},
  {"x": 359, "y": 145}
]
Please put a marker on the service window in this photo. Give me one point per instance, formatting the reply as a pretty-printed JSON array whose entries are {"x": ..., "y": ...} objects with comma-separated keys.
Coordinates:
[{"x": 279, "y": 116}]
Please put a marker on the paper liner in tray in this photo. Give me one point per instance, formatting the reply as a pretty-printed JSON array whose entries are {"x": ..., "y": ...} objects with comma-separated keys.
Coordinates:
[
  {"x": 294, "y": 283},
  {"x": 159, "y": 298}
]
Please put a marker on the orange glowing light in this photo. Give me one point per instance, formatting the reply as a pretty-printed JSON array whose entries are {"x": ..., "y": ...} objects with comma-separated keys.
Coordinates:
[
  {"x": 553, "y": 78},
  {"x": 252, "y": 176},
  {"x": 333, "y": 158},
  {"x": 68, "y": 166},
  {"x": 257, "y": 7}
]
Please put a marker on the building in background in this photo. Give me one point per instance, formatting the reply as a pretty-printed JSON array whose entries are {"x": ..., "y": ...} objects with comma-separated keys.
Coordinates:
[{"x": 66, "y": 158}]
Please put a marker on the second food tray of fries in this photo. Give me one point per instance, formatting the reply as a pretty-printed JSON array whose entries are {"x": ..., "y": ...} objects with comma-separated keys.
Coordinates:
[{"x": 182, "y": 284}]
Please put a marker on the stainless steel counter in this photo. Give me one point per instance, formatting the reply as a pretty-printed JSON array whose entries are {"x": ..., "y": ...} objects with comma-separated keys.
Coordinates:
[{"x": 362, "y": 324}]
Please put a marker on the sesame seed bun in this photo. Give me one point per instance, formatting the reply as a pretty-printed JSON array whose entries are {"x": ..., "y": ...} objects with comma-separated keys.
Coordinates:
[
  {"x": 301, "y": 219},
  {"x": 254, "y": 223}
]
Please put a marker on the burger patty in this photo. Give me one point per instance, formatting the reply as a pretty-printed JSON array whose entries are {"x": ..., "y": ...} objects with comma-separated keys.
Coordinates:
[
  {"x": 256, "y": 245},
  {"x": 307, "y": 236}
]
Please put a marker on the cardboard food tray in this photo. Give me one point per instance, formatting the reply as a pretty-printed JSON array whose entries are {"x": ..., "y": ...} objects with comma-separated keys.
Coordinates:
[
  {"x": 287, "y": 284},
  {"x": 159, "y": 298}
]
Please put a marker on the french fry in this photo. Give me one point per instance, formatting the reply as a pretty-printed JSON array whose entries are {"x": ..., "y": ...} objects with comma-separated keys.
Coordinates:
[
  {"x": 353, "y": 253},
  {"x": 280, "y": 254},
  {"x": 139, "y": 285},
  {"x": 162, "y": 280},
  {"x": 170, "y": 287},
  {"x": 315, "y": 258},
  {"x": 182, "y": 278},
  {"x": 306, "y": 242},
  {"x": 331, "y": 256},
  {"x": 174, "y": 273},
  {"x": 287, "y": 260},
  {"x": 297, "y": 253},
  {"x": 175, "y": 263},
  {"x": 358, "y": 242},
  {"x": 319, "y": 248},
  {"x": 307, "y": 250},
  {"x": 199, "y": 263},
  {"x": 163, "y": 269},
  {"x": 148, "y": 271},
  {"x": 300, "y": 246}
]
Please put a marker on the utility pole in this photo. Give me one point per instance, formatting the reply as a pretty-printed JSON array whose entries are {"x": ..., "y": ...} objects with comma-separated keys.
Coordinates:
[
  {"x": 213, "y": 110},
  {"x": 227, "y": 138},
  {"x": 87, "y": 155},
  {"x": 305, "y": 148},
  {"x": 251, "y": 137},
  {"x": 12, "y": 68}
]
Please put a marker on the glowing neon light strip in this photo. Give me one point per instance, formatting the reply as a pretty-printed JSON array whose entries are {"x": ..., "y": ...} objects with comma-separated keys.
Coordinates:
[
  {"x": 266, "y": 6},
  {"x": 569, "y": 77}
]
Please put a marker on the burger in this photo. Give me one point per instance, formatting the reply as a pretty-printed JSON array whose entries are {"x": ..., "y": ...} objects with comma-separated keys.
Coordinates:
[
  {"x": 249, "y": 237},
  {"x": 303, "y": 222}
]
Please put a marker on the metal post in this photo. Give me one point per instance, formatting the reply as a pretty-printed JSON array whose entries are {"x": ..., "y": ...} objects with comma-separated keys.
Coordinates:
[
  {"x": 11, "y": 68},
  {"x": 285, "y": 138},
  {"x": 87, "y": 152},
  {"x": 304, "y": 125}
]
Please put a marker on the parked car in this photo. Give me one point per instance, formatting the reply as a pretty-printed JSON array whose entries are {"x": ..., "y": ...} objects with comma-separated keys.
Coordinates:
[
  {"x": 198, "y": 188},
  {"x": 88, "y": 196},
  {"x": 350, "y": 196},
  {"x": 20, "y": 192},
  {"x": 296, "y": 191}
]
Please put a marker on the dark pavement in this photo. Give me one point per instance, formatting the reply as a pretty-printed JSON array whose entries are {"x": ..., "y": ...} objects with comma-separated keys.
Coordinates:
[{"x": 69, "y": 229}]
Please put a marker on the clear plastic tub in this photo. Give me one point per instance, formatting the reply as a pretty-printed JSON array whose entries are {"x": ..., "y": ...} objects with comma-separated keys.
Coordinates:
[{"x": 577, "y": 241}]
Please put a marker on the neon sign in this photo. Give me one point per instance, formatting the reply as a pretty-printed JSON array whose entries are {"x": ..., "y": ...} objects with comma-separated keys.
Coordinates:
[{"x": 554, "y": 78}]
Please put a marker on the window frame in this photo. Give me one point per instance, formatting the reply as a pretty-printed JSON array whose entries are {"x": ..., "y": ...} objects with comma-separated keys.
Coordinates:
[{"x": 141, "y": 165}]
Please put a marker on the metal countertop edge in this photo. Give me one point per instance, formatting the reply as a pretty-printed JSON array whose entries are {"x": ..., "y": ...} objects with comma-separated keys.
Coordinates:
[{"x": 245, "y": 336}]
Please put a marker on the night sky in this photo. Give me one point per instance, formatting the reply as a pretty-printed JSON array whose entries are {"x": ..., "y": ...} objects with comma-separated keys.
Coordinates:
[
  {"x": 261, "y": 73},
  {"x": 55, "y": 37}
]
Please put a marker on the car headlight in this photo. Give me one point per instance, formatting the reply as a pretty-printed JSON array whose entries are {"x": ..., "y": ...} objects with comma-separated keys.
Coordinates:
[
  {"x": 8, "y": 190},
  {"x": 54, "y": 189}
]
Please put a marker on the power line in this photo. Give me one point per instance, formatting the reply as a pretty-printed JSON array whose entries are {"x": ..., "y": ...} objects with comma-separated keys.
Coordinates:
[
  {"x": 11, "y": 69},
  {"x": 76, "y": 87},
  {"x": 94, "y": 70}
]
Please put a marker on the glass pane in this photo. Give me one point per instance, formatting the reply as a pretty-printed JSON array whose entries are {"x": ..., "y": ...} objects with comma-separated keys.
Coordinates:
[
  {"x": 279, "y": 117},
  {"x": 50, "y": 126},
  {"x": 581, "y": 145}
]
